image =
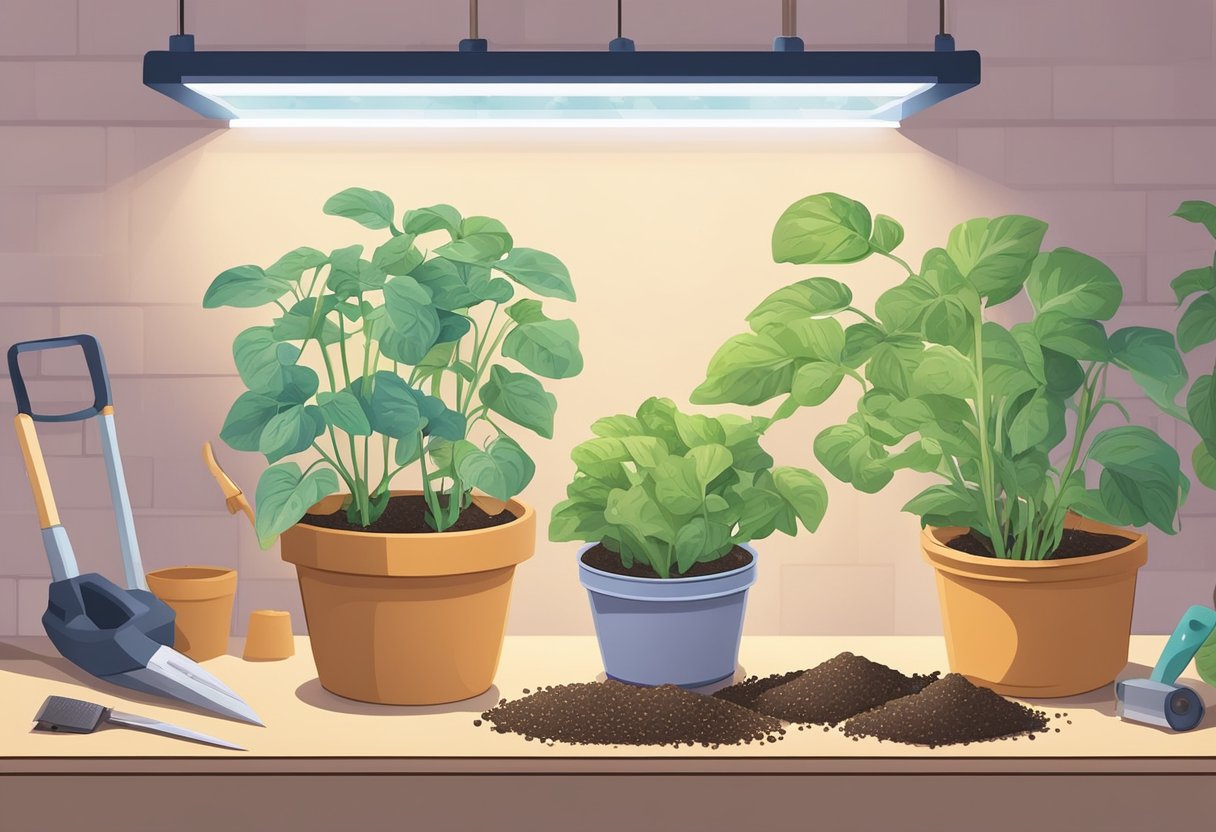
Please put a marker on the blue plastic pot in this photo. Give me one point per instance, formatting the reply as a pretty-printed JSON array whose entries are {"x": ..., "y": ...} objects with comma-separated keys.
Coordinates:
[{"x": 681, "y": 631}]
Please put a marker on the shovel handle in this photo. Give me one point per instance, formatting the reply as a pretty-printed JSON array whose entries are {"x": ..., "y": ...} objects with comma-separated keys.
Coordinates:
[
  {"x": 35, "y": 468},
  {"x": 93, "y": 360}
]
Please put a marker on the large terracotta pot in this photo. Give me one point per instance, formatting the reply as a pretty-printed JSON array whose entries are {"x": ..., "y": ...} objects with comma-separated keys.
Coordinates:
[
  {"x": 1037, "y": 628},
  {"x": 407, "y": 619}
]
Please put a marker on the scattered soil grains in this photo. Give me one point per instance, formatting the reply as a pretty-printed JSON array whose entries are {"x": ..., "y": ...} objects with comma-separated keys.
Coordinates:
[
  {"x": 614, "y": 713},
  {"x": 835, "y": 690},
  {"x": 950, "y": 710},
  {"x": 746, "y": 692}
]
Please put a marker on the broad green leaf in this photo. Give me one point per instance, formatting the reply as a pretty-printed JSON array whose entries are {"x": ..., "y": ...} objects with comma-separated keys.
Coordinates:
[
  {"x": 1154, "y": 363},
  {"x": 438, "y": 420},
  {"x": 944, "y": 371},
  {"x": 487, "y": 226},
  {"x": 284, "y": 495},
  {"x": 1198, "y": 211},
  {"x": 748, "y": 369},
  {"x": 889, "y": 419},
  {"x": 398, "y": 256},
  {"x": 646, "y": 451},
  {"x": 853, "y": 457},
  {"x": 1062, "y": 374},
  {"x": 887, "y": 234},
  {"x": 389, "y": 403},
  {"x": 291, "y": 431},
  {"x": 691, "y": 541},
  {"x": 1192, "y": 281},
  {"x": 893, "y": 364},
  {"x": 635, "y": 510},
  {"x": 709, "y": 462},
  {"x": 452, "y": 327},
  {"x": 1079, "y": 338},
  {"x": 292, "y": 265},
  {"x": 676, "y": 487},
  {"x": 948, "y": 321},
  {"x": 343, "y": 411},
  {"x": 815, "y": 381},
  {"x": 502, "y": 470},
  {"x": 575, "y": 519},
  {"x": 860, "y": 341},
  {"x": 1075, "y": 284},
  {"x": 995, "y": 255},
  {"x": 548, "y": 348},
  {"x": 539, "y": 271},
  {"x": 1141, "y": 468},
  {"x": 520, "y": 398},
  {"x": 805, "y": 493},
  {"x": 260, "y": 358},
  {"x": 617, "y": 426},
  {"x": 1032, "y": 424},
  {"x": 432, "y": 218},
  {"x": 658, "y": 415},
  {"x": 815, "y": 296},
  {"x": 350, "y": 275},
  {"x": 1198, "y": 323},
  {"x": 902, "y": 308},
  {"x": 295, "y": 385},
  {"x": 408, "y": 449},
  {"x": 304, "y": 321},
  {"x": 371, "y": 209},
  {"x": 476, "y": 249},
  {"x": 412, "y": 317},
  {"x": 527, "y": 311},
  {"x": 245, "y": 287},
  {"x": 823, "y": 228},
  {"x": 246, "y": 419},
  {"x": 1032, "y": 350},
  {"x": 1201, "y": 408},
  {"x": 819, "y": 339},
  {"x": 944, "y": 500},
  {"x": 695, "y": 430},
  {"x": 1205, "y": 465}
]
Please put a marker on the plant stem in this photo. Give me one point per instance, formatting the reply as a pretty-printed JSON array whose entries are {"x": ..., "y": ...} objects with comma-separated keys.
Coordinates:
[
  {"x": 987, "y": 472},
  {"x": 898, "y": 260},
  {"x": 864, "y": 316}
]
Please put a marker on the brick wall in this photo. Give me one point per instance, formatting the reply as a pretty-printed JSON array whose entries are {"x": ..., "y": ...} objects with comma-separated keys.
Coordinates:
[{"x": 117, "y": 207}]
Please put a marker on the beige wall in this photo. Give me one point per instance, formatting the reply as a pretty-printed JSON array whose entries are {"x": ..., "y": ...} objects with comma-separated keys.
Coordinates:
[{"x": 118, "y": 207}]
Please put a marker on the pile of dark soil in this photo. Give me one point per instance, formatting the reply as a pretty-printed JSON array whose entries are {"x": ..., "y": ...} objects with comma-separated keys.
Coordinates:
[
  {"x": 746, "y": 692},
  {"x": 1073, "y": 544},
  {"x": 614, "y": 713},
  {"x": 832, "y": 692},
  {"x": 406, "y": 514},
  {"x": 950, "y": 710}
]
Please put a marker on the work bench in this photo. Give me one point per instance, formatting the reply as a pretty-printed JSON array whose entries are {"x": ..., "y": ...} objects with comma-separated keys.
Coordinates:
[{"x": 325, "y": 762}]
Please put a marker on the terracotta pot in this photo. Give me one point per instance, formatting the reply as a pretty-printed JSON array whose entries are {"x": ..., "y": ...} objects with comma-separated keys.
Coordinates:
[
  {"x": 407, "y": 619},
  {"x": 1037, "y": 628},
  {"x": 201, "y": 598}
]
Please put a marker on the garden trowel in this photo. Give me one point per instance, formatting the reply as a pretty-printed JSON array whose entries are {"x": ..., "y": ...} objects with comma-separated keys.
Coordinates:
[
  {"x": 124, "y": 636},
  {"x": 1159, "y": 700}
]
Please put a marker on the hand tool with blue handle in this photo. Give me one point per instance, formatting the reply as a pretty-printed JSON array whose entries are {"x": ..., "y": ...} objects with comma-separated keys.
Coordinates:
[
  {"x": 124, "y": 636},
  {"x": 1159, "y": 700}
]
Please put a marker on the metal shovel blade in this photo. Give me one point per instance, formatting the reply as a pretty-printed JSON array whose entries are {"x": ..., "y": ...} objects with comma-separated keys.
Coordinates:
[{"x": 171, "y": 674}]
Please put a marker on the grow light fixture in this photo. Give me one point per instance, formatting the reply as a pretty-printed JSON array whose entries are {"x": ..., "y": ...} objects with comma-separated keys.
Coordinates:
[{"x": 621, "y": 87}]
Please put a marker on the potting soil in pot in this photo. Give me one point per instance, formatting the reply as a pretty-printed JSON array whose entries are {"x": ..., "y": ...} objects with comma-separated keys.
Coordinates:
[
  {"x": 831, "y": 692},
  {"x": 950, "y": 710},
  {"x": 614, "y": 713}
]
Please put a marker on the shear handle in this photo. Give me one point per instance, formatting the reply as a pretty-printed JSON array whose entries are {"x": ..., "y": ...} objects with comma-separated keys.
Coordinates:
[{"x": 97, "y": 373}]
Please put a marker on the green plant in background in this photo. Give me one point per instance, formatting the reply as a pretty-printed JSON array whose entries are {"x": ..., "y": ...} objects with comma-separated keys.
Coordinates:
[
  {"x": 410, "y": 341},
  {"x": 1003, "y": 415},
  {"x": 671, "y": 489}
]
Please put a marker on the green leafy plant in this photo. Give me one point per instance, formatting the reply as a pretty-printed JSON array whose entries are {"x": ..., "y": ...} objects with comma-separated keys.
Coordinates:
[
  {"x": 409, "y": 340},
  {"x": 1003, "y": 415},
  {"x": 670, "y": 489}
]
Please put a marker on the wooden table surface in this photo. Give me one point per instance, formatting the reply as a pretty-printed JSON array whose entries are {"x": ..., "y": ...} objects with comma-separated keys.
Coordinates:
[{"x": 308, "y": 728}]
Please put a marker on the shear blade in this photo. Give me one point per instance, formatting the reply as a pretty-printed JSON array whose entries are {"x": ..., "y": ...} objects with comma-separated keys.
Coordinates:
[{"x": 171, "y": 674}]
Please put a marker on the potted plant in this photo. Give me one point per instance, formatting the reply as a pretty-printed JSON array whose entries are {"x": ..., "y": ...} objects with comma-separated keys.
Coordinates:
[
  {"x": 405, "y": 591},
  {"x": 1027, "y": 529},
  {"x": 1197, "y": 327},
  {"x": 668, "y": 504}
]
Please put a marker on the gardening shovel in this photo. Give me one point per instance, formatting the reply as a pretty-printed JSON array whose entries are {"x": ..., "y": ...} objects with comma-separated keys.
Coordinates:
[{"x": 124, "y": 636}]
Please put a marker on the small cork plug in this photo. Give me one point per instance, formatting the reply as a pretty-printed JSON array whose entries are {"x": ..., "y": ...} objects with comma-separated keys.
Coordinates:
[{"x": 269, "y": 636}]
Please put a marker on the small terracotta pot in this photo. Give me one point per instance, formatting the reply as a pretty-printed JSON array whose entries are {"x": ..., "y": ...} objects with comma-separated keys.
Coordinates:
[
  {"x": 201, "y": 598},
  {"x": 268, "y": 637},
  {"x": 407, "y": 619},
  {"x": 1037, "y": 628}
]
